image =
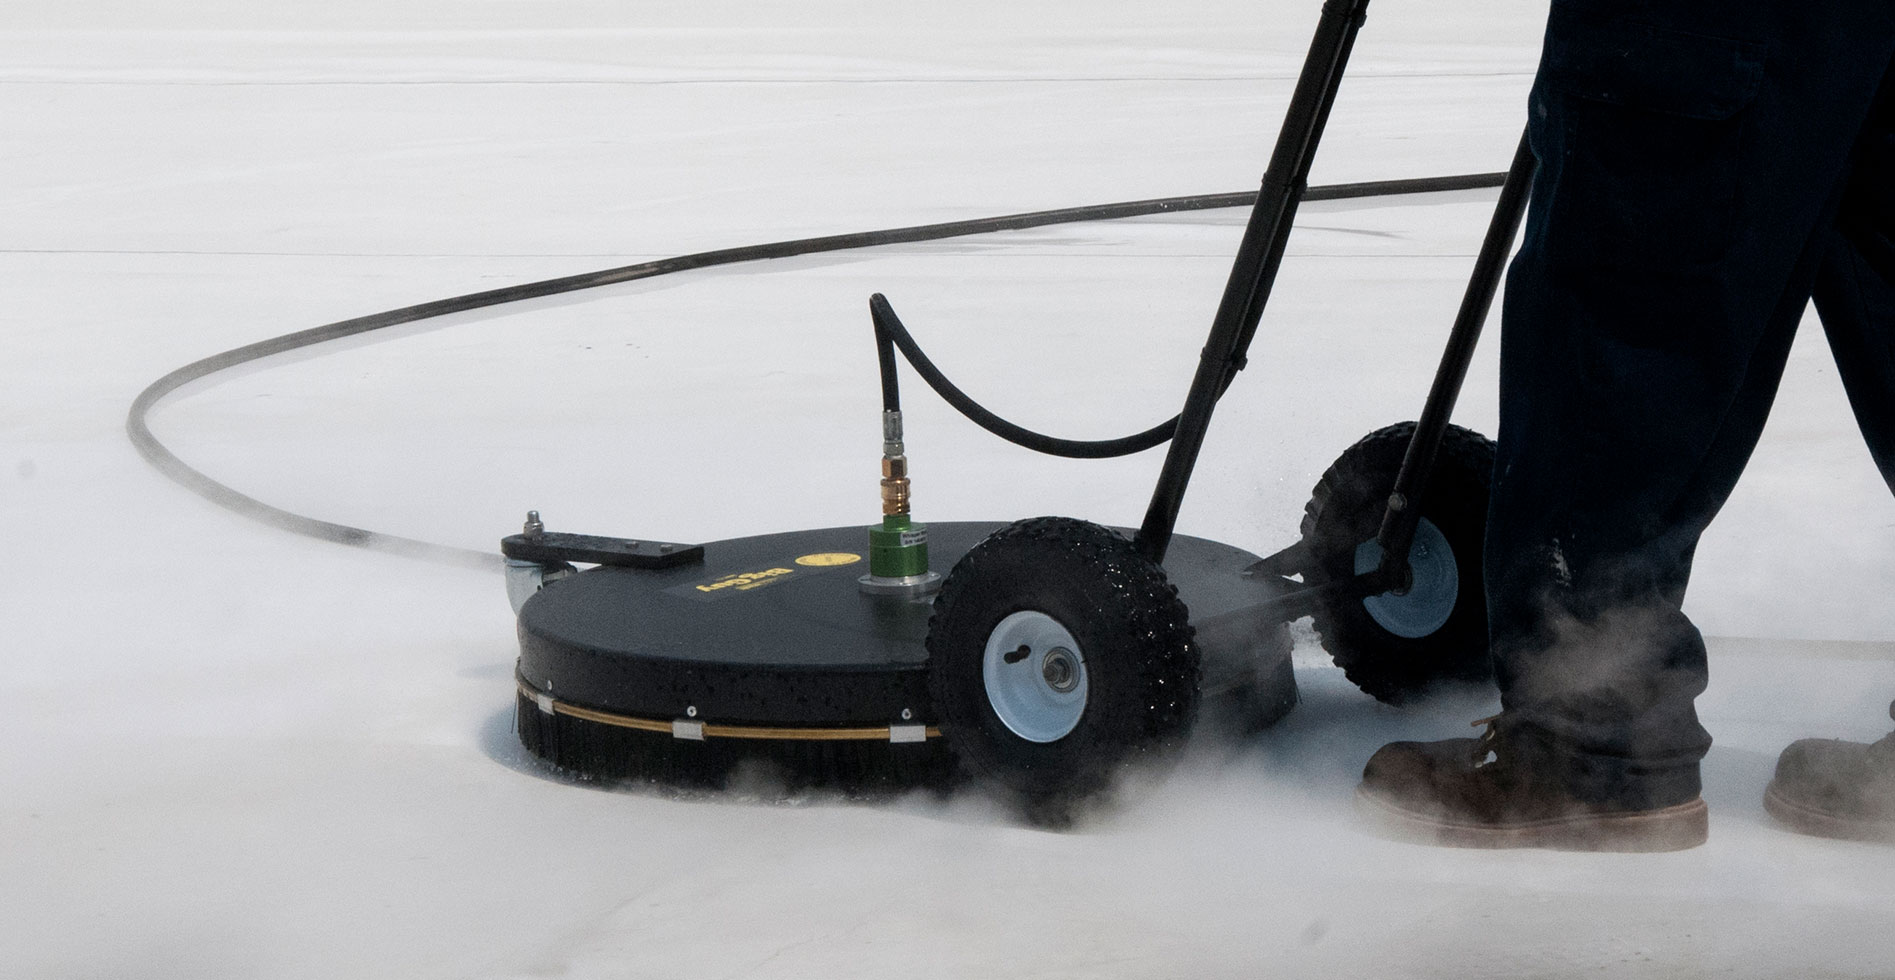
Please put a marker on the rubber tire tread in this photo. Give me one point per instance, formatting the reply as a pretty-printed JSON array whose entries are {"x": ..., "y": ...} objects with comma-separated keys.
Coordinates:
[
  {"x": 1142, "y": 664},
  {"x": 1345, "y": 508}
]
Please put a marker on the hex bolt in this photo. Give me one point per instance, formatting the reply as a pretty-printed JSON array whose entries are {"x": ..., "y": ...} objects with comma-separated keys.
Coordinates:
[{"x": 1059, "y": 671}]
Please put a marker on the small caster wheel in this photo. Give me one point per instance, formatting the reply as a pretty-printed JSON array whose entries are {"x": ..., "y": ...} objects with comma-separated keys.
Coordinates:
[{"x": 1396, "y": 646}]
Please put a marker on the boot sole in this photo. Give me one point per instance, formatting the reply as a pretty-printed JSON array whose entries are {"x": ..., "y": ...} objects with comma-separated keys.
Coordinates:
[
  {"x": 1821, "y": 823},
  {"x": 1672, "y": 828}
]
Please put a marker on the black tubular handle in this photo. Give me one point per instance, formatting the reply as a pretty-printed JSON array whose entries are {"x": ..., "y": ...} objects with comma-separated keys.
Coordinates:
[
  {"x": 1259, "y": 255},
  {"x": 1404, "y": 511}
]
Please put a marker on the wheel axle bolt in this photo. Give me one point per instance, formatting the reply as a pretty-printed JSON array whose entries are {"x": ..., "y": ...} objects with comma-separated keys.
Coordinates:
[{"x": 1060, "y": 672}]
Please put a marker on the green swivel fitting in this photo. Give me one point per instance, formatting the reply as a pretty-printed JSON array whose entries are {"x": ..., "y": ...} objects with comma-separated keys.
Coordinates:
[{"x": 898, "y": 548}]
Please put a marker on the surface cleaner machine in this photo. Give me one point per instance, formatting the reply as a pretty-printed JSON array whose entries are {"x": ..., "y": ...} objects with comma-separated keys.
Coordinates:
[{"x": 1045, "y": 655}]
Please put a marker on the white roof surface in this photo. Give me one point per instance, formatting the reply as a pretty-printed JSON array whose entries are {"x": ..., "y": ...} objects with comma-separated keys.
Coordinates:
[{"x": 231, "y": 752}]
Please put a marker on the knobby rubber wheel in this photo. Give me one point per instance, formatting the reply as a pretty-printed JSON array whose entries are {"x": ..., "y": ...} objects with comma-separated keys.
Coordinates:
[
  {"x": 1395, "y": 647},
  {"x": 1058, "y": 655}
]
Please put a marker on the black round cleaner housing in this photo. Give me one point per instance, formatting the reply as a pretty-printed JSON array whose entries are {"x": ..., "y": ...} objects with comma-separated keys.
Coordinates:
[
  {"x": 1054, "y": 652},
  {"x": 684, "y": 664}
]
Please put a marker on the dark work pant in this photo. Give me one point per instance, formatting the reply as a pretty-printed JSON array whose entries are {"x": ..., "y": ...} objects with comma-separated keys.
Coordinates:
[{"x": 1705, "y": 167}]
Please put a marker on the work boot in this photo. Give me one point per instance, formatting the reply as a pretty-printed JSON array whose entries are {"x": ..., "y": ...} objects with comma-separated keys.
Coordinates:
[
  {"x": 1840, "y": 789},
  {"x": 1506, "y": 789}
]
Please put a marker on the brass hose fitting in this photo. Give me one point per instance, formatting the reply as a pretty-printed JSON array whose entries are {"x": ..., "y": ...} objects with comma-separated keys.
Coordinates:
[{"x": 894, "y": 485}]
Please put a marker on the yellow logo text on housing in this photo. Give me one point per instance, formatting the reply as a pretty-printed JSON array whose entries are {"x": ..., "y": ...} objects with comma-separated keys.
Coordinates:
[{"x": 745, "y": 581}]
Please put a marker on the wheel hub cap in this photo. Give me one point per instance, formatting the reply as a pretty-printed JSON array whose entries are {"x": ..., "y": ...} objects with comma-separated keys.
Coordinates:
[
  {"x": 1035, "y": 676},
  {"x": 1430, "y": 599}
]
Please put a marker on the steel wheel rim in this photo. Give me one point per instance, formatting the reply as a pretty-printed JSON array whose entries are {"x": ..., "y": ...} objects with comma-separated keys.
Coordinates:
[
  {"x": 1428, "y": 603},
  {"x": 1041, "y": 695}
]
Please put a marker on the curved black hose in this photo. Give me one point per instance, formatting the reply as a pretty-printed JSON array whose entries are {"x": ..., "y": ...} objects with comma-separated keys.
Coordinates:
[
  {"x": 165, "y": 461},
  {"x": 890, "y": 332},
  {"x": 885, "y": 353}
]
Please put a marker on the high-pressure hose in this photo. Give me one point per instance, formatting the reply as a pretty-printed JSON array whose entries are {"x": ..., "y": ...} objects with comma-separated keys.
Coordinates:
[
  {"x": 138, "y": 429},
  {"x": 890, "y": 334}
]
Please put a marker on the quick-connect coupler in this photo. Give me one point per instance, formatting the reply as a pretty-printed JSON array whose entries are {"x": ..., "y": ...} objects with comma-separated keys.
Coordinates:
[
  {"x": 898, "y": 547},
  {"x": 894, "y": 486}
]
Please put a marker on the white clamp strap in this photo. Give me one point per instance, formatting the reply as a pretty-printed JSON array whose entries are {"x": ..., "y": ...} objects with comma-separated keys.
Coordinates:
[{"x": 907, "y": 733}]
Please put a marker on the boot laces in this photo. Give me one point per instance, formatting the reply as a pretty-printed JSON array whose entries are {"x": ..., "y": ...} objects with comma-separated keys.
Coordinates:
[{"x": 1483, "y": 752}]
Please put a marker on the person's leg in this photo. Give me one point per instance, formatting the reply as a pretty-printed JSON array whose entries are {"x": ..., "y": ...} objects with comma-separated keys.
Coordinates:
[
  {"x": 1855, "y": 289},
  {"x": 1825, "y": 786},
  {"x": 1689, "y": 152}
]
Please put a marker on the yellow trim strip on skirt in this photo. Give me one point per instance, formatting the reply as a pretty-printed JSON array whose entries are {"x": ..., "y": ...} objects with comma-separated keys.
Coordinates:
[{"x": 660, "y": 726}]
